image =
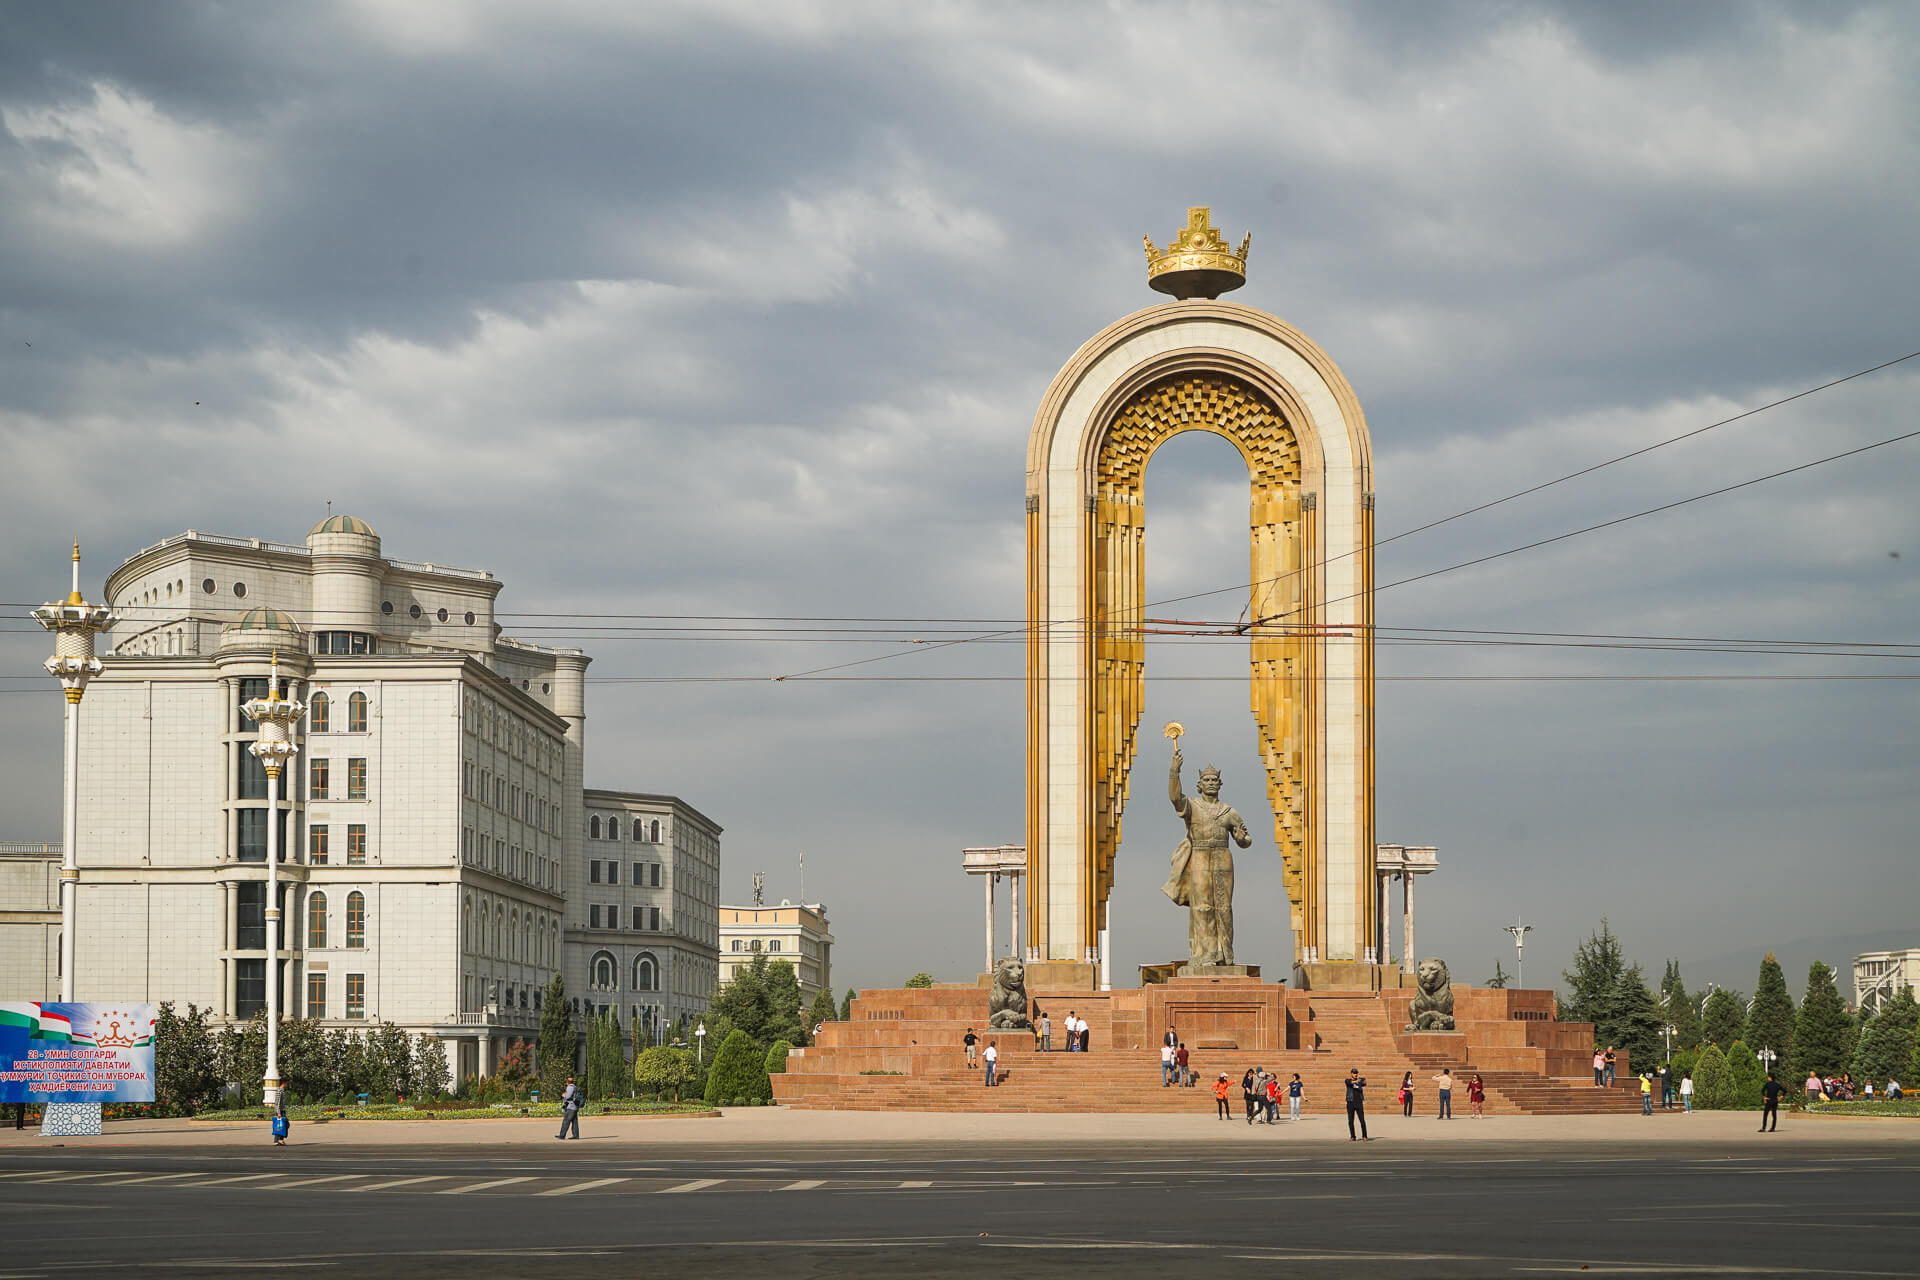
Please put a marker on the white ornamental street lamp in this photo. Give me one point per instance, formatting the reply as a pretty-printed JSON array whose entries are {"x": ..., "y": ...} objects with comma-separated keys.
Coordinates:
[
  {"x": 1767, "y": 1057},
  {"x": 276, "y": 717},
  {"x": 1519, "y": 932},
  {"x": 1667, "y": 1033},
  {"x": 74, "y": 623},
  {"x": 700, "y": 1044}
]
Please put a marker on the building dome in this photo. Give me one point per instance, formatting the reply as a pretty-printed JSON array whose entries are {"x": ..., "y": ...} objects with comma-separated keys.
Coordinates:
[
  {"x": 256, "y": 622},
  {"x": 343, "y": 524}
]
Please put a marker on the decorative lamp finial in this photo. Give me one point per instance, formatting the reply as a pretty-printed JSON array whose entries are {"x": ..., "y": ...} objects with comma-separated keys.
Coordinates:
[
  {"x": 1197, "y": 263},
  {"x": 74, "y": 597}
]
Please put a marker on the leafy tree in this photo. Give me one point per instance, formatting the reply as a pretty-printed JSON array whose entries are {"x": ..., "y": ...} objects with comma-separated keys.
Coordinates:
[
  {"x": 777, "y": 1058},
  {"x": 1685, "y": 1062},
  {"x": 1886, "y": 1046},
  {"x": 920, "y": 980},
  {"x": 1633, "y": 1021},
  {"x": 1712, "y": 1080},
  {"x": 304, "y": 1066},
  {"x": 347, "y": 1062},
  {"x": 663, "y": 1070},
  {"x": 846, "y": 1005},
  {"x": 739, "y": 1071},
  {"x": 389, "y": 1061},
  {"x": 1722, "y": 1018},
  {"x": 783, "y": 1005},
  {"x": 821, "y": 1011},
  {"x": 745, "y": 1003},
  {"x": 430, "y": 1066},
  {"x": 1500, "y": 977},
  {"x": 1747, "y": 1076},
  {"x": 1594, "y": 981},
  {"x": 1681, "y": 1014},
  {"x": 186, "y": 1059},
  {"x": 1770, "y": 1020},
  {"x": 243, "y": 1056},
  {"x": 556, "y": 1039},
  {"x": 1823, "y": 1038}
]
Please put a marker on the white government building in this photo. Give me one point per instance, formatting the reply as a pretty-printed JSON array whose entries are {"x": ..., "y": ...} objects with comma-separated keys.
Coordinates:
[{"x": 441, "y": 856}]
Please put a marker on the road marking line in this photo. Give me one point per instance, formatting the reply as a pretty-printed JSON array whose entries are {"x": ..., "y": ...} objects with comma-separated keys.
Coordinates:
[
  {"x": 308, "y": 1182},
  {"x": 805, "y": 1185},
  {"x": 584, "y": 1186},
  {"x": 244, "y": 1177},
  {"x": 401, "y": 1182},
  {"x": 151, "y": 1177},
  {"x": 698, "y": 1184},
  {"x": 482, "y": 1186},
  {"x": 905, "y": 1185},
  {"x": 75, "y": 1177}
]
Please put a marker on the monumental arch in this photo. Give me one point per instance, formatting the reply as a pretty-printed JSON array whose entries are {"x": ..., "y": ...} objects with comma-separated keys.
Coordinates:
[{"x": 1198, "y": 364}]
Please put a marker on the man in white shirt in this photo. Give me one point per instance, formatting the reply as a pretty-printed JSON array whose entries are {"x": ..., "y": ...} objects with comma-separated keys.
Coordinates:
[
  {"x": 992, "y": 1056},
  {"x": 1166, "y": 1065},
  {"x": 1073, "y": 1032}
]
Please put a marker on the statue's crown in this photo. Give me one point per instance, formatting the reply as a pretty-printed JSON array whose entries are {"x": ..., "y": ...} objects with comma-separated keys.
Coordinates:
[
  {"x": 1210, "y": 772},
  {"x": 1197, "y": 263}
]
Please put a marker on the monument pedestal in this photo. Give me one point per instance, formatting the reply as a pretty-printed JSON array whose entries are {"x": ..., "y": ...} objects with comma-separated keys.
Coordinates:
[
  {"x": 1346, "y": 975},
  {"x": 1217, "y": 971},
  {"x": 1062, "y": 975}
]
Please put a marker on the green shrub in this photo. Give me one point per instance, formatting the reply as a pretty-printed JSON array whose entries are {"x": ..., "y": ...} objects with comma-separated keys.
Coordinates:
[
  {"x": 663, "y": 1070},
  {"x": 1747, "y": 1074},
  {"x": 1712, "y": 1081},
  {"x": 739, "y": 1071},
  {"x": 777, "y": 1057},
  {"x": 920, "y": 980}
]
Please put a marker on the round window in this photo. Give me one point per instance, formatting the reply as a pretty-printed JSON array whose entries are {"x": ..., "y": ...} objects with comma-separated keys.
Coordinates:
[
  {"x": 240, "y": 588},
  {"x": 545, "y": 688},
  {"x": 469, "y": 617},
  {"x": 207, "y": 586},
  {"x": 414, "y": 611},
  {"x": 442, "y": 615},
  {"x": 386, "y": 606}
]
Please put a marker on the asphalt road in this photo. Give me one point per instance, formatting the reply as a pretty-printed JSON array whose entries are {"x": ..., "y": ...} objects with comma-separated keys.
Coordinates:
[{"x": 1382, "y": 1210}]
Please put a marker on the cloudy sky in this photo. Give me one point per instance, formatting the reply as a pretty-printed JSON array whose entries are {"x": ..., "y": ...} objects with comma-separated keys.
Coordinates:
[{"x": 744, "y": 309}]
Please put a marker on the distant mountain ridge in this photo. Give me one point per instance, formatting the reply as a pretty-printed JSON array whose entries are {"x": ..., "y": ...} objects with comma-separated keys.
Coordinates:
[{"x": 1739, "y": 969}]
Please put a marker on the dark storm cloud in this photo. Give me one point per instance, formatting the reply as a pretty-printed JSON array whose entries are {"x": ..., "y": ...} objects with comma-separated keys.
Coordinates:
[{"x": 745, "y": 309}]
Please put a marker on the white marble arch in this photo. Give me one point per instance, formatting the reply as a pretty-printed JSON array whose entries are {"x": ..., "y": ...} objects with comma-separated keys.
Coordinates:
[{"x": 1065, "y": 922}]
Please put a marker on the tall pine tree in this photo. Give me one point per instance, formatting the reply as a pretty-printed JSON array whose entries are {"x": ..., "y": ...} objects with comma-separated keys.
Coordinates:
[
  {"x": 1501, "y": 977},
  {"x": 1886, "y": 1047},
  {"x": 1594, "y": 981},
  {"x": 1823, "y": 1037},
  {"x": 556, "y": 1040},
  {"x": 1680, "y": 1012},
  {"x": 1722, "y": 1018},
  {"x": 1770, "y": 1020},
  {"x": 1634, "y": 1022}
]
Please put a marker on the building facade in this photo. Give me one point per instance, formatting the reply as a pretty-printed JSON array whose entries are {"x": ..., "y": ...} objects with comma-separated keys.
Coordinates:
[
  {"x": 30, "y": 919},
  {"x": 797, "y": 934},
  {"x": 431, "y": 828},
  {"x": 1879, "y": 975}
]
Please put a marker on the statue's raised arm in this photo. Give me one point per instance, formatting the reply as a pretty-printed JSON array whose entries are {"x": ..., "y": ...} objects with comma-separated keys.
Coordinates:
[{"x": 1173, "y": 785}]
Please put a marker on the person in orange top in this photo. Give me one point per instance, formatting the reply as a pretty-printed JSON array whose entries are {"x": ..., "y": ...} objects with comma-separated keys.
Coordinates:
[{"x": 1220, "y": 1092}]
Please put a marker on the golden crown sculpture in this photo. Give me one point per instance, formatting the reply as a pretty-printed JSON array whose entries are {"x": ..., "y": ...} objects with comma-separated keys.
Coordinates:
[{"x": 1197, "y": 263}]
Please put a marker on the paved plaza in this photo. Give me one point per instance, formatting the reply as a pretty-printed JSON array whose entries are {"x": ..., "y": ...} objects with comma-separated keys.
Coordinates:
[{"x": 946, "y": 1195}]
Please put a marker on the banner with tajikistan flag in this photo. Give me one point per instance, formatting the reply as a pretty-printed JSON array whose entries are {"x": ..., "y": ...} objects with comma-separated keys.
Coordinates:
[{"x": 75, "y": 1052}]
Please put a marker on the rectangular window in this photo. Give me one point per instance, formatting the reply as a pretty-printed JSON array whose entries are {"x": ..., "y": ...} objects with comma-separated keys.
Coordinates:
[
  {"x": 250, "y": 919},
  {"x": 250, "y": 835},
  {"x": 637, "y": 873},
  {"x": 593, "y": 917},
  {"x": 656, "y": 875},
  {"x": 653, "y": 919},
  {"x": 356, "y": 778},
  {"x": 515, "y": 810},
  {"x": 593, "y": 870},
  {"x": 249, "y": 985},
  {"x": 316, "y": 995},
  {"x": 466, "y": 784},
  {"x": 317, "y": 844},
  {"x": 356, "y": 995},
  {"x": 253, "y": 775},
  {"x": 251, "y": 688},
  {"x": 638, "y": 917},
  {"x": 356, "y": 843},
  {"x": 317, "y": 770}
]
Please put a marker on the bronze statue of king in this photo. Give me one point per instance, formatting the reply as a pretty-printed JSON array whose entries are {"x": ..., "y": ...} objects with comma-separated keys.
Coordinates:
[{"x": 1202, "y": 879}]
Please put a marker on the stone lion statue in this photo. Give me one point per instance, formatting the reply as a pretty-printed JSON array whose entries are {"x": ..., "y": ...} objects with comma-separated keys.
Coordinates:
[
  {"x": 1007, "y": 1000},
  {"x": 1432, "y": 1007}
]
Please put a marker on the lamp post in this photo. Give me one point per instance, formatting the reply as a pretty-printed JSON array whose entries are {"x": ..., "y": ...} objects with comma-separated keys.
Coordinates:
[
  {"x": 73, "y": 623},
  {"x": 276, "y": 717},
  {"x": 1667, "y": 1033},
  {"x": 1519, "y": 932},
  {"x": 1767, "y": 1058},
  {"x": 700, "y": 1044}
]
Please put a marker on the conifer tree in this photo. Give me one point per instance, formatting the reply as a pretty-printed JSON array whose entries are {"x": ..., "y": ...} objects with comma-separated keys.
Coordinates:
[
  {"x": 821, "y": 1010},
  {"x": 1823, "y": 1037},
  {"x": 1722, "y": 1018},
  {"x": 1747, "y": 1075},
  {"x": 556, "y": 1040},
  {"x": 1712, "y": 1081},
  {"x": 1500, "y": 978},
  {"x": 1681, "y": 1014},
  {"x": 1633, "y": 1022},
  {"x": 1770, "y": 1021},
  {"x": 1594, "y": 980},
  {"x": 1885, "y": 1051},
  {"x": 846, "y": 1005}
]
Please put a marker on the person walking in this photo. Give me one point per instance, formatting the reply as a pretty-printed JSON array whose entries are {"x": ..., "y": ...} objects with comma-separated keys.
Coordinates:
[
  {"x": 1599, "y": 1067},
  {"x": 1445, "y": 1081},
  {"x": 1046, "y": 1033},
  {"x": 1166, "y": 1065},
  {"x": 993, "y": 1056},
  {"x": 1183, "y": 1067},
  {"x": 281, "y": 1125},
  {"x": 1608, "y": 1064},
  {"x": 973, "y": 1047},
  {"x": 1686, "y": 1093},
  {"x": 1646, "y": 1093},
  {"x": 1273, "y": 1099},
  {"x": 570, "y": 1110},
  {"x": 1295, "y": 1091},
  {"x": 1247, "y": 1082},
  {"x": 1220, "y": 1090},
  {"x": 1406, "y": 1094},
  {"x": 1476, "y": 1097},
  {"x": 1356, "y": 1103},
  {"x": 1170, "y": 1040},
  {"x": 1770, "y": 1093}
]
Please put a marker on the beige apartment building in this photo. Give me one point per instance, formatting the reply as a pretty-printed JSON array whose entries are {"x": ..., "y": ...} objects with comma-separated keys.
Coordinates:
[{"x": 797, "y": 934}]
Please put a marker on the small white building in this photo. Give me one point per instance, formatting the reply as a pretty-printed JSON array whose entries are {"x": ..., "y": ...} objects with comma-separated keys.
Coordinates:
[
  {"x": 1879, "y": 975},
  {"x": 434, "y": 824}
]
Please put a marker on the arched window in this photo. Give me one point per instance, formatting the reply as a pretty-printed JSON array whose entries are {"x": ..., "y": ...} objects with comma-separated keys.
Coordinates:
[
  {"x": 317, "y": 713},
  {"x": 316, "y": 920},
  {"x": 513, "y": 936},
  {"x": 613, "y": 828},
  {"x": 499, "y": 924},
  {"x": 655, "y": 828},
  {"x": 527, "y": 953},
  {"x": 606, "y": 975},
  {"x": 357, "y": 713},
  {"x": 754, "y": 945},
  {"x": 593, "y": 827},
  {"x": 466, "y": 931},
  {"x": 646, "y": 973},
  {"x": 739, "y": 945},
  {"x": 356, "y": 919},
  {"x": 774, "y": 945}
]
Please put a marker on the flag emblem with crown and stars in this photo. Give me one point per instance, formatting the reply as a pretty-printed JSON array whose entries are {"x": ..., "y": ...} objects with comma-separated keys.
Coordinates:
[{"x": 93, "y": 1052}]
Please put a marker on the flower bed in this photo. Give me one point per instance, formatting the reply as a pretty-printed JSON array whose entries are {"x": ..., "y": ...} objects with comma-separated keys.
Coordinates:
[
  {"x": 431, "y": 1111},
  {"x": 1909, "y": 1107}
]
